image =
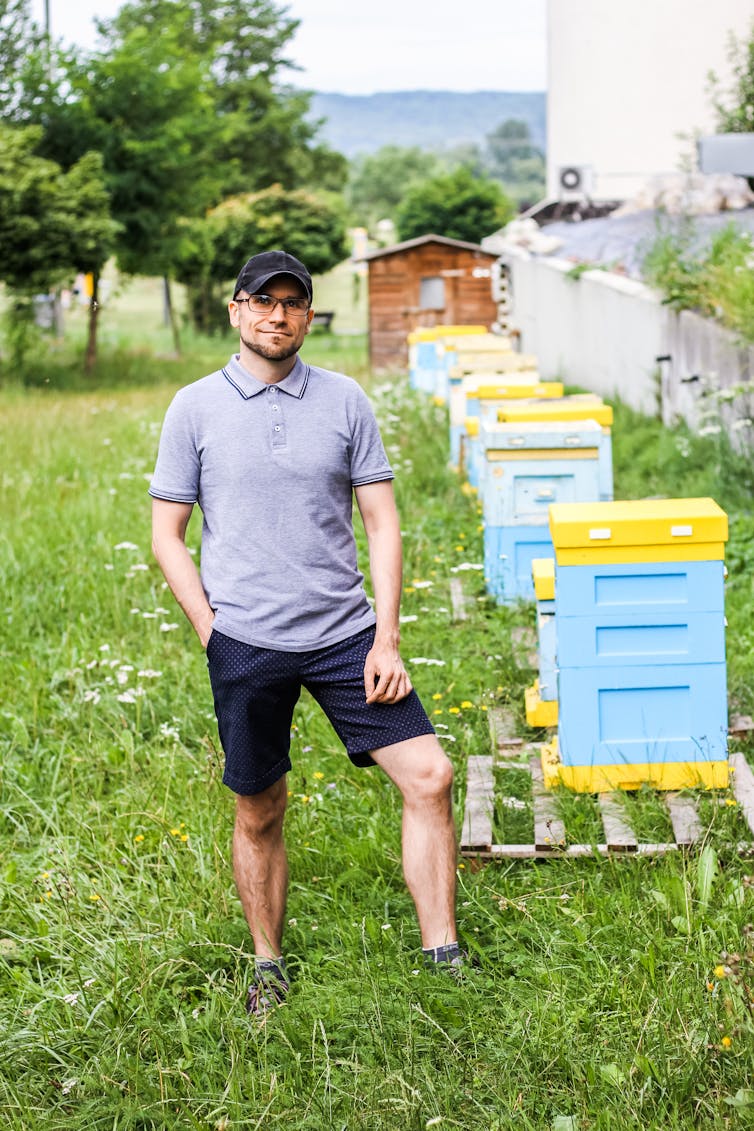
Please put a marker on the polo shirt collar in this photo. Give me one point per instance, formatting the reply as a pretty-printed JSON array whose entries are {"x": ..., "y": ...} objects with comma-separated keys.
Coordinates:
[{"x": 249, "y": 386}]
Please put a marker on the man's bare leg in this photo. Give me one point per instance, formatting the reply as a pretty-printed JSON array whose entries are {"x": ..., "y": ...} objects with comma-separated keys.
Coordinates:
[
  {"x": 260, "y": 865},
  {"x": 422, "y": 772}
]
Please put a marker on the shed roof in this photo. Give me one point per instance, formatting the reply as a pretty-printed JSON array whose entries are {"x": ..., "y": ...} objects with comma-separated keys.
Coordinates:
[{"x": 397, "y": 248}]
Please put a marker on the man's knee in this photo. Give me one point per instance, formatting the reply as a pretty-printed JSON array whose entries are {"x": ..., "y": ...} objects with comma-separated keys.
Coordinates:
[
  {"x": 260, "y": 815},
  {"x": 431, "y": 773}
]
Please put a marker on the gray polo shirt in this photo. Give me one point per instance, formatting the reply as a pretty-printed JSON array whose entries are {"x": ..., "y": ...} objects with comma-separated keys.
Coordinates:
[{"x": 273, "y": 469}]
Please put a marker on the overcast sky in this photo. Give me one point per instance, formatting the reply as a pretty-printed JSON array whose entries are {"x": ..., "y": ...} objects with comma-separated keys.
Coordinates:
[{"x": 353, "y": 48}]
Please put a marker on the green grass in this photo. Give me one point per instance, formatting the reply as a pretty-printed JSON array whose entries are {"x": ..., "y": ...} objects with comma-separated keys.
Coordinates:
[{"x": 123, "y": 953}]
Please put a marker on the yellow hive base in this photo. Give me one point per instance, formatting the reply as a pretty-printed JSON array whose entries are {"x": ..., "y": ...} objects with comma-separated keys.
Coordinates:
[
  {"x": 660, "y": 775},
  {"x": 540, "y": 712}
]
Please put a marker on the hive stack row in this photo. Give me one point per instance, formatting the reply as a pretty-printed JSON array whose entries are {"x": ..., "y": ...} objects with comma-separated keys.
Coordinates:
[{"x": 629, "y": 595}]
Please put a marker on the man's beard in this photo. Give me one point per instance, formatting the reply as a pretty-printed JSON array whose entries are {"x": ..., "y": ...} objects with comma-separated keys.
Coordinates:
[{"x": 272, "y": 353}]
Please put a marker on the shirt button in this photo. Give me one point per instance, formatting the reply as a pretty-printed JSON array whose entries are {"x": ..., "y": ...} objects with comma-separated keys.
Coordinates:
[
  {"x": 277, "y": 427},
  {"x": 276, "y": 408}
]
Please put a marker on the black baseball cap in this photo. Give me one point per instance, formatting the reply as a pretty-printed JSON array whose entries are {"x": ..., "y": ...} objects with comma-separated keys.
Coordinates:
[{"x": 263, "y": 267}]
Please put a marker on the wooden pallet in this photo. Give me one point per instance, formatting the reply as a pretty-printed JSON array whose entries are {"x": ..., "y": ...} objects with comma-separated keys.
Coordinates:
[{"x": 549, "y": 831}]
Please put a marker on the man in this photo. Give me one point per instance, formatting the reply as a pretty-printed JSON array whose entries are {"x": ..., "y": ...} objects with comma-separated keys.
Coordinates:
[{"x": 273, "y": 450}]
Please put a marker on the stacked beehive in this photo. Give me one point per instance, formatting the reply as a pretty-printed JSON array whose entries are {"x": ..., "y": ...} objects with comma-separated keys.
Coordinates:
[{"x": 640, "y": 641}]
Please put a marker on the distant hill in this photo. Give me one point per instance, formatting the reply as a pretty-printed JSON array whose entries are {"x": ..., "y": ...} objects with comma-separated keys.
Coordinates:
[{"x": 431, "y": 119}]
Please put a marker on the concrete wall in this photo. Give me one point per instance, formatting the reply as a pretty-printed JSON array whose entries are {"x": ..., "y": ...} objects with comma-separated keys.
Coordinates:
[
  {"x": 625, "y": 80},
  {"x": 613, "y": 336}
]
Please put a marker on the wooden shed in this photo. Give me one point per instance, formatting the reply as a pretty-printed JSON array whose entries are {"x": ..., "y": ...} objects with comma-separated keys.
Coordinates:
[{"x": 428, "y": 281}]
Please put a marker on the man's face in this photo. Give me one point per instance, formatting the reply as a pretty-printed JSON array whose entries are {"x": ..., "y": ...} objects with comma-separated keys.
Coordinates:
[{"x": 276, "y": 334}]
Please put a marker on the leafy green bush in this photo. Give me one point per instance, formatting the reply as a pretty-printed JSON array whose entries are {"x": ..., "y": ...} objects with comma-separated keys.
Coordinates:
[{"x": 718, "y": 283}]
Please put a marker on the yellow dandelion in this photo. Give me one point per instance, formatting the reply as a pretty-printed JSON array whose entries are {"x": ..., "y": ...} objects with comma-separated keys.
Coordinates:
[
  {"x": 710, "y": 986},
  {"x": 436, "y": 559},
  {"x": 726, "y": 1042},
  {"x": 290, "y": 793},
  {"x": 94, "y": 897},
  {"x": 184, "y": 837},
  {"x": 138, "y": 838},
  {"x": 720, "y": 972},
  {"x": 175, "y": 832},
  {"x": 48, "y": 894},
  {"x": 466, "y": 703},
  {"x": 484, "y": 707},
  {"x": 454, "y": 710},
  {"x": 409, "y": 589},
  {"x": 437, "y": 695},
  {"x": 318, "y": 775},
  {"x": 730, "y": 801},
  {"x": 438, "y": 711},
  {"x": 480, "y": 527},
  {"x": 305, "y": 798},
  {"x": 460, "y": 549},
  {"x": 45, "y": 875},
  {"x": 461, "y": 867}
]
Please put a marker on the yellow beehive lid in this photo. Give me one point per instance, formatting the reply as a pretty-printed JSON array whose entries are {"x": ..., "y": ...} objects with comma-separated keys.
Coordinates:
[
  {"x": 423, "y": 334},
  {"x": 485, "y": 368},
  {"x": 543, "y": 573},
  {"x": 446, "y": 331},
  {"x": 588, "y": 407},
  {"x": 638, "y": 530},
  {"x": 517, "y": 388},
  {"x": 472, "y": 425}
]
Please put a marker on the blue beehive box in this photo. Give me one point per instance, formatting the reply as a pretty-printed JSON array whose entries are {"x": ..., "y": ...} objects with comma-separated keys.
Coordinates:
[
  {"x": 508, "y": 555},
  {"x": 524, "y": 469},
  {"x": 573, "y": 408},
  {"x": 639, "y": 622}
]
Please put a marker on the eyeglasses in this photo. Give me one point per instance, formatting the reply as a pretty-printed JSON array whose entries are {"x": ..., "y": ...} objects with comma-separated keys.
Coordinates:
[{"x": 266, "y": 304}]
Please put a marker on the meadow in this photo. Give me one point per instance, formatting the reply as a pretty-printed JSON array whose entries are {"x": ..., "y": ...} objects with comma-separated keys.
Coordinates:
[{"x": 606, "y": 994}]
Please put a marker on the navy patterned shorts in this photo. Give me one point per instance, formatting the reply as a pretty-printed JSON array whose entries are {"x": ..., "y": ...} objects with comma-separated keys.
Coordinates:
[{"x": 256, "y": 689}]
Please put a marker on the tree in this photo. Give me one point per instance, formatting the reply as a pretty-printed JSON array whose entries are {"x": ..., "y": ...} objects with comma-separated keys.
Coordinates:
[
  {"x": 152, "y": 122},
  {"x": 52, "y": 223},
  {"x": 456, "y": 205},
  {"x": 309, "y": 225},
  {"x": 21, "y": 42},
  {"x": 515, "y": 161},
  {"x": 262, "y": 134},
  {"x": 735, "y": 108},
  {"x": 378, "y": 181}
]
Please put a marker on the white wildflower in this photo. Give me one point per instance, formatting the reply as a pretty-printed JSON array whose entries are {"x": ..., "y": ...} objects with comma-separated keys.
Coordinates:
[
  {"x": 165, "y": 627},
  {"x": 427, "y": 660},
  {"x": 126, "y": 546},
  {"x": 71, "y": 999},
  {"x": 148, "y": 673},
  {"x": 422, "y": 584},
  {"x": 513, "y": 802},
  {"x": 68, "y": 1085},
  {"x": 92, "y": 695},
  {"x": 408, "y": 619},
  {"x": 466, "y": 565}
]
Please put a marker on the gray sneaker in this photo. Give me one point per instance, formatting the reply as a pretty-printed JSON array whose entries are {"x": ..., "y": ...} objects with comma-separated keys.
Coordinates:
[{"x": 265, "y": 994}]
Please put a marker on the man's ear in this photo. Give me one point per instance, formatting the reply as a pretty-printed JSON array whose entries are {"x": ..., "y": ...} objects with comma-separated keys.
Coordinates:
[{"x": 233, "y": 314}]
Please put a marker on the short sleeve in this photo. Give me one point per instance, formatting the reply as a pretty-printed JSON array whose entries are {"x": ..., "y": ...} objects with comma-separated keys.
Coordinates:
[
  {"x": 176, "y": 473},
  {"x": 369, "y": 463}
]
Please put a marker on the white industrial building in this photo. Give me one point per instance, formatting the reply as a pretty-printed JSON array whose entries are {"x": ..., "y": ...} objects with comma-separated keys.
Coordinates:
[{"x": 628, "y": 88}]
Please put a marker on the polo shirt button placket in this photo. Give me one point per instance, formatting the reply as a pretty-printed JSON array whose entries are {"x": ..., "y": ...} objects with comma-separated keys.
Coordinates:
[{"x": 278, "y": 432}]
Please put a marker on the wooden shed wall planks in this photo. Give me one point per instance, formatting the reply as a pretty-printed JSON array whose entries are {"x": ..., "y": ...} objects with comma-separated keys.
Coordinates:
[{"x": 394, "y": 292}]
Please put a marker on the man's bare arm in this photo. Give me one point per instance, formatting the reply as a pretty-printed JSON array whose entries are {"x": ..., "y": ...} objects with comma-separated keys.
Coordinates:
[
  {"x": 385, "y": 678},
  {"x": 169, "y": 522}
]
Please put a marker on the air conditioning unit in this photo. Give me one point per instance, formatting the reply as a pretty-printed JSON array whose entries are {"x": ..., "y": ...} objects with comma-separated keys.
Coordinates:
[{"x": 575, "y": 181}]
